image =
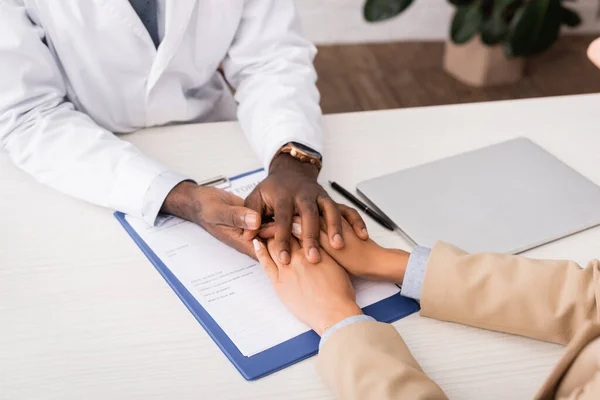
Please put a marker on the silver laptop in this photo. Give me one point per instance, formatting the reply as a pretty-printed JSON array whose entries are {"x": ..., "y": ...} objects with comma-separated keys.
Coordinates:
[{"x": 506, "y": 198}]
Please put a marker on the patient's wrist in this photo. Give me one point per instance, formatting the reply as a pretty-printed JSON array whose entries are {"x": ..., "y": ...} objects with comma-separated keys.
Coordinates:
[
  {"x": 391, "y": 265},
  {"x": 335, "y": 316}
]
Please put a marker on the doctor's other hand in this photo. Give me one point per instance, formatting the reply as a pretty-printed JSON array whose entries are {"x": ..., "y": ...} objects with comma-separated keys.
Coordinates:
[
  {"x": 593, "y": 52},
  {"x": 292, "y": 189},
  {"x": 319, "y": 295},
  {"x": 363, "y": 258},
  {"x": 219, "y": 212}
]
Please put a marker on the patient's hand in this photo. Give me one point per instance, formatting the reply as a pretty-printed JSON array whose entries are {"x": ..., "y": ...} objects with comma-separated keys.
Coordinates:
[
  {"x": 320, "y": 295},
  {"x": 364, "y": 258},
  {"x": 593, "y": 52}
]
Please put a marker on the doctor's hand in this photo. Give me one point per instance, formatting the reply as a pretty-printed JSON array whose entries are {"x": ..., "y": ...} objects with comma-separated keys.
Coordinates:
[
  {"x": 219, "y": 212},
  {"x": 319, "y": 295},
  {"x": 363, "y": 258},
  {"x": 292, "y": 189},
  {"x": 593, "y": 52}
]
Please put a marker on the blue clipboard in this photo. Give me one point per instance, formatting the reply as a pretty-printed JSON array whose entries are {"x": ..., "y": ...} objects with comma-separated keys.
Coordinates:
[{"x": 278, "y": 357}]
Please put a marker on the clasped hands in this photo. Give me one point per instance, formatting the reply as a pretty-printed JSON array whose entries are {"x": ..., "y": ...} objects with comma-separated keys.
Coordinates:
[
  {"x": 321, "y": 295},
  {"x": 290, "y": 189},
  {"x": 309, "y": 269}
]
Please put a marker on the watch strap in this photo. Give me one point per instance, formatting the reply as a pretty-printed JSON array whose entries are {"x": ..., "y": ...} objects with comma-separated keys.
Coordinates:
[{"x": 301, "y": 155}]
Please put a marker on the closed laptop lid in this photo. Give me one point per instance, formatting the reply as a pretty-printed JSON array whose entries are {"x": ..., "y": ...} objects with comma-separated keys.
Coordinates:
[{"x": 504, "y": 198}]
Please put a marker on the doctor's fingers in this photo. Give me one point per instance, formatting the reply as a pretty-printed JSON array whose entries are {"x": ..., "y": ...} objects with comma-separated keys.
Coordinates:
[
  {"x": 267, "y": 231},
  {"x": 355, "y": 220},
  {"x": 284, "y": 210},
  {"x": 309, "y": 213},
  {"x": 234, "y": 216},
  {"x": 255, "y": 203},
  {"x": 333, "y": 220}
]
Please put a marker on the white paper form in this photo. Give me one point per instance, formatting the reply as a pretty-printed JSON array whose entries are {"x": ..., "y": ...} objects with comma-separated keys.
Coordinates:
[{"x": 230, "y": 286}]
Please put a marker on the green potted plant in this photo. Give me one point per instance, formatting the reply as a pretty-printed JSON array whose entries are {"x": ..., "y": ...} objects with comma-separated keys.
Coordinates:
[{"x": 490, "y": 39}]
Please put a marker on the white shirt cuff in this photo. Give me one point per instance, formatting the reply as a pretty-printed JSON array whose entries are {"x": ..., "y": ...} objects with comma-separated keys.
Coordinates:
[
  {"x": 345, "y": 322},
  {"x": 283, "y": 137},
  {"x": 157, "y": 193},
  {"x": 415, "y": 273}
]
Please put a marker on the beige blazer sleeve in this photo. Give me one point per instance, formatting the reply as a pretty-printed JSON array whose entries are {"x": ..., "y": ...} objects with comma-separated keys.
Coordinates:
[
  {"x": 554, "y": 301},
  {"x": 546, "y": 300},
  {"x": 369, "y": 360}
]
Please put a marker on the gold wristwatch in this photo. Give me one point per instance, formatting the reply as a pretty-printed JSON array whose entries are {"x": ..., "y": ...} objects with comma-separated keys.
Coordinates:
[{"x": 302, "y": 153}]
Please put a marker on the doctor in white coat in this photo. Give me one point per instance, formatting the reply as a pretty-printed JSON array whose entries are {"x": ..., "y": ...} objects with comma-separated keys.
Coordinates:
[{"x": 73, "y": 73}]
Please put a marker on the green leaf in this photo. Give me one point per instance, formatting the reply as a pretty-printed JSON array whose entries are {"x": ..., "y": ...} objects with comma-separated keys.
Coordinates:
[
  {"x": 495, "y": 29},
  {"x": 466, "y": 23},
  {"x": 500, "y": 5},
  {"x": 570, "y": 17},
  {"x": 508, "y": 45},
  {"x": 534, "y": 28},
  {"x": 380, "y": 10}
]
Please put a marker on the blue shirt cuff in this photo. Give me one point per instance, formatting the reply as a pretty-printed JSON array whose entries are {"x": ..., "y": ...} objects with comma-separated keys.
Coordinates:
[
  {"x": 345, "y": 322},
  {"x": 415, "y": 273},
  {"x": 158, "y": 192}
]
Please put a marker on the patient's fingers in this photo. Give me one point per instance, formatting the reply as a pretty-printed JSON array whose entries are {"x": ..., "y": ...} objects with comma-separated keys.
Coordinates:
[
  {"x": 297, "y": 228},
  {"x": 267, "y": 231},
  {"x": 323, "y": 238},
  {"x": 273, "y": 252},
  {"x": 346, "y": 229},
  {"x": 263, "y": 256},
  {"x": 296, "y": 247}
]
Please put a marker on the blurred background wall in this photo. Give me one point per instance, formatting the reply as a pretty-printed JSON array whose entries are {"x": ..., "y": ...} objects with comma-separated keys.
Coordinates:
[
  {"x": 341, "y": 21},
  {"x": 401, "y": 62}
]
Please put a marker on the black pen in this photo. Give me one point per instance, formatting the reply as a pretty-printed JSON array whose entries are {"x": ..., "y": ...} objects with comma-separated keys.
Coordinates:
[{"x": 362, "y": 206}]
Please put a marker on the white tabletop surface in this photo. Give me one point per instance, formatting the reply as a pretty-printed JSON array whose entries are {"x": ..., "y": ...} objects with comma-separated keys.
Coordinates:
[{"x": 83, "y": 314}]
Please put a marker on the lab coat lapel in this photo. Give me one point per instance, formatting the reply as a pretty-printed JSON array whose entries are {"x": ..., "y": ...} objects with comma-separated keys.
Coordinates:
[
  {"x": 177, "y": 17},
  {"x": 124, "y": 13}
]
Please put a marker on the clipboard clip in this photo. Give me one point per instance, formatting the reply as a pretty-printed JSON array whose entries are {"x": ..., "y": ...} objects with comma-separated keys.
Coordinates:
[{"x": 221, "y": 181}]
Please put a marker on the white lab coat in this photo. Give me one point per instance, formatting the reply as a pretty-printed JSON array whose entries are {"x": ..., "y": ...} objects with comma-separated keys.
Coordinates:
[{"x": 73, "y": 72}]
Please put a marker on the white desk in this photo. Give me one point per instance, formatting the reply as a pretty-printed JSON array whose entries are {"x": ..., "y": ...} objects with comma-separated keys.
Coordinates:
[{"x": 83, "y": 314}]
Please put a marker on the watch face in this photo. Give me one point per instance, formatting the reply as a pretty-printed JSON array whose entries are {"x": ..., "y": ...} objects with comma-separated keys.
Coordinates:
[{"x": 307, "y": 150}]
